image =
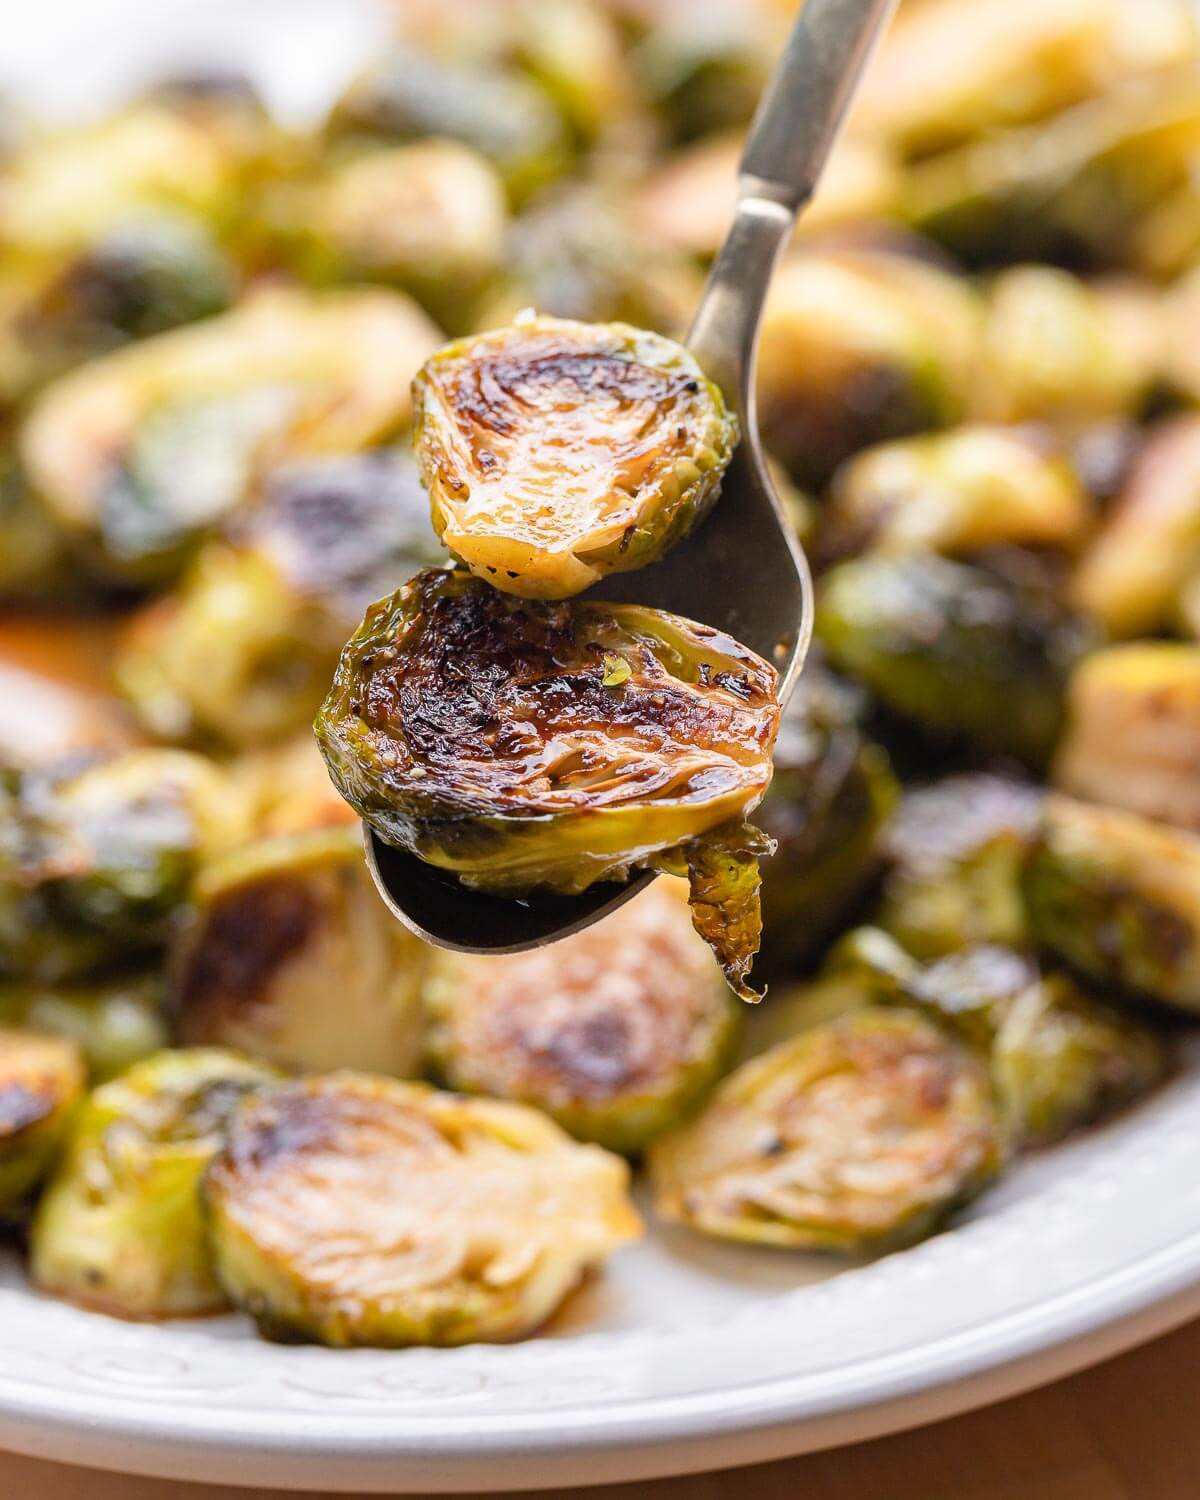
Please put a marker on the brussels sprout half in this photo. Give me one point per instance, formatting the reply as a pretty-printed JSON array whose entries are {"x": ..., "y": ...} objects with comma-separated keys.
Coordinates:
[
  {"x": 1118, "y": 897},
  {"x": 41, "y": 1085},
  {"x": 557, "y": 452},
  {"x": 120, "y": 1227},
  {"x": 859, "y": 1135},
  {"x": 355, "y": 1210},
  {"x": 287, "y": 953},
  {"x": 141, "y": 453},
  {"x": 617, "y": 1032},
  {"x": 524, "y": 745},
  {"x": 243, "y": 649},
  {"x": 115, "y": 1019}
]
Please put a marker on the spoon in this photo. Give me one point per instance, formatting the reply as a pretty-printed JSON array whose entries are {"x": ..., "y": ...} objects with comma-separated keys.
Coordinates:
[{"x": 742, "y": 570}]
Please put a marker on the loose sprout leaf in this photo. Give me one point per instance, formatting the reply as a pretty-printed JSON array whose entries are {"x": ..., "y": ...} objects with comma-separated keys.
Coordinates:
[{"x": 557, "y": 452}]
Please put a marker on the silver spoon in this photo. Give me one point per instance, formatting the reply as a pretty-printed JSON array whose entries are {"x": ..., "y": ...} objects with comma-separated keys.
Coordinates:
[{"x": 742, "y": 570}]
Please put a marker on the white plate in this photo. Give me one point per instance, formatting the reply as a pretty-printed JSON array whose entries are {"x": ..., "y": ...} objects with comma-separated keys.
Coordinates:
[{"x": 686, "y": 1354}]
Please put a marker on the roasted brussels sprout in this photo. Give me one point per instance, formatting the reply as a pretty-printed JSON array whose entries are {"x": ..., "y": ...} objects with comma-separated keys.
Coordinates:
[
  {"x": 860, "y": 347},
  {"x": 617, "y": 1033},
  {"x": 828, "y": 803},
  {"x": 858, "y": 1135},
  {"x": 1131, "y": 575},
  {"x": 1132, "y": 735},
  {"x": 351, "y": 1210},
  {"x": 289, "y": 954},
  {"x": 140, "y": 453},
  {"x": 956, "y": 850},
  {"x": 94, "y": 861},
  {"x": 957, "y": 492},
  {"x": 523, "y": 745},
  {"x": 115, "y": 1019},
  {"x": 964, "y": 651},
  {"x": 41, "y": 1085},
  {"x": 557, "y": 452},
  {"x": 244, "y": 648},
  {"x": 1117, "y": 897},
  {"x": 120, "y": 1227}
]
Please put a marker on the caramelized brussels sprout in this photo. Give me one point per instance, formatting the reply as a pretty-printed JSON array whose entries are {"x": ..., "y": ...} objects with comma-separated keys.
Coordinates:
[
  {"x": 523, "y": 745},
  {"x": 1118, "y": 898},
  {"x": 957, "y": 492},
  {"x": 1131, "y": 575},
  {"x": 557, "y": 452},
  {"x": 617, "y": 1033},
  {"x": 858, "y": 1135},
  {"x": 962, "y": 650},
  {"x": 140, "y": 453},
  {"x": 289, "y": 954},
  {"x": 115, "y": 1019},
  {"x": 828, "y": 803},
  {"x": 41, "y": 1084},
  {"x": 95, "y": 860},
  {"x": 498, "y": 1216},
  {"x": 1132, "y": 736},
  {"x": 244, "y": 648},
  {"x": 120, "y": 1227},
  {"x": 956, "y": 850},
  {"x": 859, "y": 347}
]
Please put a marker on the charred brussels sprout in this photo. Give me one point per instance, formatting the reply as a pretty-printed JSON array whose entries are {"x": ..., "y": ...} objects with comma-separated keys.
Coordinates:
[
  {"x": 289, "y": 954},
  {"x": 1118, "y": 898},
  {"x": 499, "y": 1214},
  {"x": 120, "y": 1228},
  {"x": 957, "y": 492},
  {"x": 557, "y": 452},
  {"x": 617, "y": 1032},
  {"x": 94, "y": 861},
  {"x": 41, "y": 1085},
  {"x": 827, "y": 805},
  {"x": 142, "y": 452},
  {"x": 858, "y": 1135},
  {"x": 1132, "y": 736},
  {"x": 244, "y": 648},
  {"x": 115, "y": 1019},
  {"x": 522, "y": 745},
  {"x": 962, "y": 650},
  {"x": 1131, "y": 576},
  {"x": 859, "y": 347},
  {"x": 956, "y": 850}
]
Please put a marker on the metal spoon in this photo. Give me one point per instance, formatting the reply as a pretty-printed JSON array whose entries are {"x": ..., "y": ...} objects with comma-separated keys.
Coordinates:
[{"x": 742, "y": 570}]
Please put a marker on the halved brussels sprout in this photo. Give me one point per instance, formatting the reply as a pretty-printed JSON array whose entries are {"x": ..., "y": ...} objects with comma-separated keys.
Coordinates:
[
  {"x": 859, "y": 1135},
  {"x": 95, "y": 861},
  {"x": 115, "y": 1019},
  {"x": 617, "y": 1033},
  {"x": 243, "y": 649},
  {"x": 949, "y": 70},
  {"x": 140, "y": 453},
  {"x": 957, "y": 848},
  {"x": 957, "y": 492},
  {"x": 41, "y": 1085},
  {"x": 860, "y": 347},
  {"x": 1132, "y": 735},
  {"x": 288, "y": 953},
  {"x": 1118, "y": 897},
  {"x": 828, "y": 803},
  {"x": 557, "y": 452},
  {"x": 963, "y": 650},
  {"x": 355, "y": 1210},
  {"x": 1131, "y": 576},
  {"x": 120, "y": 1227},
  {"x": 524, "y": 745}
]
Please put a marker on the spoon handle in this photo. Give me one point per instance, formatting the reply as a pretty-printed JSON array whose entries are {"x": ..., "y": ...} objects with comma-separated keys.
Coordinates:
[{"x": 797, "y": 123}]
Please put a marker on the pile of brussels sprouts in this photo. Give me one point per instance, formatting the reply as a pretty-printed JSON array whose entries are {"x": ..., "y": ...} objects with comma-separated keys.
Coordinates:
[{"x": 228, "y": 1079}]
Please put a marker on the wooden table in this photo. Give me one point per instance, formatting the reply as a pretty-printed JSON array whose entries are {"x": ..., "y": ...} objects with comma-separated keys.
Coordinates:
[{"x": 1127, "y": 1430}]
